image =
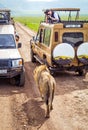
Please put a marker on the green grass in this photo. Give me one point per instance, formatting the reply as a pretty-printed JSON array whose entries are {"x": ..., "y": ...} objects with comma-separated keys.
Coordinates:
[{"x": 31, "y": 22}]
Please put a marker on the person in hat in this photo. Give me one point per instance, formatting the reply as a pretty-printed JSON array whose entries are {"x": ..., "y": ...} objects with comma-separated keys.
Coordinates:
[{"x": 51, "y": 16}]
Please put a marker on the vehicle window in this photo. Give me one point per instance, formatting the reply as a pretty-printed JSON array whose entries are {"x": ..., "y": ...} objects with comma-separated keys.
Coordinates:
[
  {"x": 1, "y": 16},
  {"x": 40, "y": 35},
  {"x": 47, "y": 33},
  {"x": 74, "y": 38},
  {"x": 7, "y": 41},
  {"x": 56, "y": 37},
  {"x": 37, "y": 36}
]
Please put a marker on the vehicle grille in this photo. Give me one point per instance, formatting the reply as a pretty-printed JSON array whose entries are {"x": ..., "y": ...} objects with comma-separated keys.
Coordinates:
[{"x": 5, "y": 63}]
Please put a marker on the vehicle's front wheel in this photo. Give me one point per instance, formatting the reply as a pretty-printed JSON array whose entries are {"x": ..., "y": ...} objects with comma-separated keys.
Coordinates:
[
  {"x": 32, "y": 55},
  {"x": 20, "y": 79}
]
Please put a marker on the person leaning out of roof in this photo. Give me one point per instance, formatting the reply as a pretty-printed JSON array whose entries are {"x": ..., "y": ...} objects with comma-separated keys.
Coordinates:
[{"x": 51, "y": 16}]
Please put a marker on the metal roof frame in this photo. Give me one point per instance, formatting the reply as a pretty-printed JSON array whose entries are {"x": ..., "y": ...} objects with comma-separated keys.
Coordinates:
[{"x": 67, "y": 10}]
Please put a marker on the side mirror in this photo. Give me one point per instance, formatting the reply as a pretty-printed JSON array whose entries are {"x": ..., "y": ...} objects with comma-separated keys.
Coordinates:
[
  {"x": 34, "y": 38},
  {"x": 19, "y": 45}
]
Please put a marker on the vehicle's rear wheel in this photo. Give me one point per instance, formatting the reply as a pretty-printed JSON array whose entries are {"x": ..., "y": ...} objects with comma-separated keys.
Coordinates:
[{"x": 81, "y": 72}]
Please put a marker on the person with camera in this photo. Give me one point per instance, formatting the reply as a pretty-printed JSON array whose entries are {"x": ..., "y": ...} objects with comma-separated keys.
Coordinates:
[{"x": 51, "y": 16}]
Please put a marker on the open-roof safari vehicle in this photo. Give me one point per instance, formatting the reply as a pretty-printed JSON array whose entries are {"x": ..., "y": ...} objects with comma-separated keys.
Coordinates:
[
  {"x": 4, "y": 15},
  {"x": 63, "y": 45},
  {"x": 11, "y": 62}
]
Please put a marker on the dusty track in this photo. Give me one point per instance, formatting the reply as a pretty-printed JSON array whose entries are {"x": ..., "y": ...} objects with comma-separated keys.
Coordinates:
[{"x": 22, "y": 109}]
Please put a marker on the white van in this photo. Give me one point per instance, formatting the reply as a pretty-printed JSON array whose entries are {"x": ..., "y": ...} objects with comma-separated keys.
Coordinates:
[{"x": 11, "y": 62}]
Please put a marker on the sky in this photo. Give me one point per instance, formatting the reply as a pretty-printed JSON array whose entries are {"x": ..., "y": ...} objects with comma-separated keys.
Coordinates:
[{"x": 28, "y": 7}]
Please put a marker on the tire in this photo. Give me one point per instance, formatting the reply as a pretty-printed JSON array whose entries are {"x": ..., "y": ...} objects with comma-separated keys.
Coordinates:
[
  {"x": 12, "y": 81},
  {"x": 20, "y": 80},
  {"x": 81, "y": 72},
  {"x": 32, "y": 55}
]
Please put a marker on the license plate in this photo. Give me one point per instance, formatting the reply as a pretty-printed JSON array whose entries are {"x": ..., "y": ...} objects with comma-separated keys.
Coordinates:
[{"x": 3, "y": 71}]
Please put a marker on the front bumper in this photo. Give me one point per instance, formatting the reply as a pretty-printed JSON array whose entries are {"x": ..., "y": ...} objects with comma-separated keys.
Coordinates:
[
  {"x": 10, "y": 72},
  {"x": 7, "y": 70}
]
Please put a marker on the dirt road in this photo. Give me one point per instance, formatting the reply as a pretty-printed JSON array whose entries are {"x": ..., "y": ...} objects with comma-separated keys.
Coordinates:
[{"x": 22, "y": 109}]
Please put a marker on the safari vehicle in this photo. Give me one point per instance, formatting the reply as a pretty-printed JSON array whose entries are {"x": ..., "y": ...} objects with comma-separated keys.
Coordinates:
[
  {"x": 11, "y": 62},
  {"x": 63, "y": 45},
  {"x": 5, "y": 16}
]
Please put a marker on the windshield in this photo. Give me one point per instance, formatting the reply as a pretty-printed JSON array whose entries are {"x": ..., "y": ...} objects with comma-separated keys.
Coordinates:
[{"x": 7, "y": 41}]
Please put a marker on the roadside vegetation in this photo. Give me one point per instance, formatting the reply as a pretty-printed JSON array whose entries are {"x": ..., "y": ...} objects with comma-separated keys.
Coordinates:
[{"x": 33, "y": 22}]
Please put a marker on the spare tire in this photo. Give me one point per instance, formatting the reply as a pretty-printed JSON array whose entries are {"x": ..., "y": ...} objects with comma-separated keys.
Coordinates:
[
  {"x": 63, "y": 54},
  {"x": 82, "y": 53}
]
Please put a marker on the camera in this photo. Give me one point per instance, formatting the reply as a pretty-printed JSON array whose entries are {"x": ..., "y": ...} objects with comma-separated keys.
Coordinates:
[{"x": 46, "y": 12}]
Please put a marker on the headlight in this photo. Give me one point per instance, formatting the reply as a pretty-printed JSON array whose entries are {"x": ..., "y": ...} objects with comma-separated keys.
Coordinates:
[{"x": 17, "y": 63}]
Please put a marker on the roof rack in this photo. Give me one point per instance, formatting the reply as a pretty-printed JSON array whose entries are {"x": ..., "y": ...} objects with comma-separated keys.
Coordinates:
[
  {"x": 5, "y": 10},
  {"x": 65, "y": 9}
]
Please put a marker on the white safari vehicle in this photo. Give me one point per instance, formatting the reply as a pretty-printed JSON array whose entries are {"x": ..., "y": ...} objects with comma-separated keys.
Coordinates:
[{"x": 11, "y": 63}]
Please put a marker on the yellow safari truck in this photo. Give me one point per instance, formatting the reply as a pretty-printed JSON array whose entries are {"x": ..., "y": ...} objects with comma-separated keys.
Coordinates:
[{"x": 62, "y": 45}]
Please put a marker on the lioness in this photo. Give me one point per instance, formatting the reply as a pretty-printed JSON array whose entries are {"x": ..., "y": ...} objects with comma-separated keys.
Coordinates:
[{"x": 46, "y": 84}]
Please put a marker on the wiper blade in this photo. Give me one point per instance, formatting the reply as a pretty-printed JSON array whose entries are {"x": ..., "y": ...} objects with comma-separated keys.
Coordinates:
[
  {"x": 9, "y": 46},
  {"x": 4, "y": 47},
  {"x": 1, "y": 46}
]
